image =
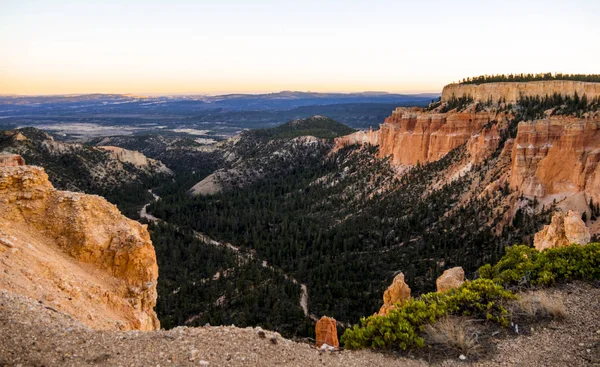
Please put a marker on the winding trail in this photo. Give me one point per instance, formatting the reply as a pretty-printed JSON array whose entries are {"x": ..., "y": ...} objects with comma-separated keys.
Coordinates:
[
  {"x": 144, "y": 212},
  {"x": 244, "y": 256}
]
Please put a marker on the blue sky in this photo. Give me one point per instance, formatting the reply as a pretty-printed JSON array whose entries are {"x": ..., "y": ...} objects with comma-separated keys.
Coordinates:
[{"x": 223, "y": 46}]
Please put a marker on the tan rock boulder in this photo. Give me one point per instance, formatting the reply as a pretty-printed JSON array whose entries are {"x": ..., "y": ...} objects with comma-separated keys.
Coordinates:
[
  {"x": 397, "y": 292},
  {"x": 564, "y": 230},
  {"x": 450, "y": 279},
  {"x": 326, "y": 332}
]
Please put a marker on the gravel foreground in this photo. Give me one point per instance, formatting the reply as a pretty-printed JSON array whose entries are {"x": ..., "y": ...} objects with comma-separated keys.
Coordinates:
[{"x": 32, "y": 334}]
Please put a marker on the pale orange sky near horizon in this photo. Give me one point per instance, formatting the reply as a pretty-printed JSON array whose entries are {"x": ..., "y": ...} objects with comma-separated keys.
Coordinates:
[{"x": 234, "y": 46}]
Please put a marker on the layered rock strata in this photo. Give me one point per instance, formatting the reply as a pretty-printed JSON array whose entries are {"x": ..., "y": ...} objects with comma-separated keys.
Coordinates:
[
  {"x": 412, "y": 135},
  {"x": 509, "y": 92},
  {"x": 557, "y": 157}
]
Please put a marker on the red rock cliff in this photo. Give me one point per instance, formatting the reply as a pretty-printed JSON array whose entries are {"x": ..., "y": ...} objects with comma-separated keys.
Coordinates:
[
  {"x": 557, "y": 157},
  {"x": 412, "y": 135}
]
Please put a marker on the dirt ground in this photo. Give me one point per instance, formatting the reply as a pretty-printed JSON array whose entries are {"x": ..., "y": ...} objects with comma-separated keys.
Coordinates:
[{"x": 33, "y": 334}]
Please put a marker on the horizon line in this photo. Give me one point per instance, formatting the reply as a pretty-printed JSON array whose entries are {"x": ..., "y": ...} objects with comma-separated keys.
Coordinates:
[{"x": 183, "y": 94}]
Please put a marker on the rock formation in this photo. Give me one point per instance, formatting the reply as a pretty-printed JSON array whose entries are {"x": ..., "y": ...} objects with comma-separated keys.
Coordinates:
[
  {"x": 450, "y": 279},
  {"x": 564, "y": 230},
  {"x": 11, "y": 160},
  {"x": 557, "y": 157},
  {"x": 359, "y": 137},
  {"x": 510, "y": 91},
  {"x": 326, "y": 332},
  {"x": 136, "y": 158},
  {"x": 397, "y": 292},
  {"x": 75, "y": 252},
  {"x": 412, "y": 135}
]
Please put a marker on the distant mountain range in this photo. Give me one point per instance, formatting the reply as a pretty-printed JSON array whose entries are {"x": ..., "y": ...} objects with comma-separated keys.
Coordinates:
[
  {"x": 81, "y": 116},
  {"x": 279, "y": 100}
]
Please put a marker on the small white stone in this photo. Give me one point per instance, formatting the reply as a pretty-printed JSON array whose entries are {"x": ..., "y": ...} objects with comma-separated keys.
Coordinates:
[{"x": 462, "y": 357}]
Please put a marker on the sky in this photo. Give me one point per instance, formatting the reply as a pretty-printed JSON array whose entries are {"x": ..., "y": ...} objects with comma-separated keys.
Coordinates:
[{"x": 231, "y": 46}]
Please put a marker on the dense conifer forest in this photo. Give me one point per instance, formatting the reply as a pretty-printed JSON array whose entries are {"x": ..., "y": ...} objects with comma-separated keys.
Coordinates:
[{"x": 329, "y": 226}]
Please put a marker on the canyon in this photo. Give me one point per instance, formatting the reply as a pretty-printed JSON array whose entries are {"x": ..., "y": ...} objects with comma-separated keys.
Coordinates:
[{"x": 551, "y": 158}]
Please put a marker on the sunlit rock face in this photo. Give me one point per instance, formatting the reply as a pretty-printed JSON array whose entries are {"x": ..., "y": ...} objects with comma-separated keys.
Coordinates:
[
  {"x": 557, "y": 157},
  {"x": 564, "y": 230},
  {"x": 510, "y": 91},
  {"x": 397, "y": 292},
  {"x": 326, "y": 332},
  {"x": 450, "y": 279},
  {"x": 76, "y": 252}
]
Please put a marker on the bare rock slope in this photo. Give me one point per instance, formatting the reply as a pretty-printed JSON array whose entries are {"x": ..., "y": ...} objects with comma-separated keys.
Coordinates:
[{"x": 75, "y": 252}]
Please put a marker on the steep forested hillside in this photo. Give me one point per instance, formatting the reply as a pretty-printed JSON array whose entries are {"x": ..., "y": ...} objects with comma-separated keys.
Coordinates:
[{"x": 83, "y": 168}]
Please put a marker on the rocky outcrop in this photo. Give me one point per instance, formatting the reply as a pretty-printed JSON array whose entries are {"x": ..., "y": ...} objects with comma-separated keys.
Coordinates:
[
  {"x": 136, "y": 158},
  {"x": 326, "y": 332},
  {"x": 557, "y": 157},
  {"x": 11, "y": 160},
  {"x": 412, "y": 135},
  {"x": 398, "y": 292},
  {"x": 360, "y": 137},
  {"x": 511, "y": 91},
  {"x": 450, "y": 279},
  {"x": 482, "y": 144},
  {"x": 564, "y": 230},
  {"x": 76, "y": 252}
]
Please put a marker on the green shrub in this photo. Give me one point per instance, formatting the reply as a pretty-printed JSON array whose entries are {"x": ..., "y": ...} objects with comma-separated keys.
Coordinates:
[
  {"x": 484, "y": 297},
  {"x": 525, "y": 266},
  {"x": 402, "y": 327}
]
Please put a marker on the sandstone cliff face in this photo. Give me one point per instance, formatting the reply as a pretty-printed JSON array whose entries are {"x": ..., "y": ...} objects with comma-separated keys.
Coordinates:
[
  {"x": 411, "y": 135},
  {"x": 557, "y": 157},
  {"x": 76, "y": 252},
  {"x": 511, "y": 91},
  {"x": 564, "y": 230}
]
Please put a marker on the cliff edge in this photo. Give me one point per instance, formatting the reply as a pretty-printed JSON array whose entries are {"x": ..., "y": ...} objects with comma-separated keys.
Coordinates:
[
  {"x": 75, "y": 253},
  {"x": 510, "y": 91}
]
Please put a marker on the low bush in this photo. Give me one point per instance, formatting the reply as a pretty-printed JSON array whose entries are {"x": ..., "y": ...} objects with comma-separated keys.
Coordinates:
[
  {"x": 402, "y": 327},
  {"x": 486, "y": 297},
  {"x": 525, "y": 266}
]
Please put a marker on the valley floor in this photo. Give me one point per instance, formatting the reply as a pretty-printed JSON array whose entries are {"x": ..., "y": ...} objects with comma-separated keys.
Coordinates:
[{"x": 32, "y": 334}]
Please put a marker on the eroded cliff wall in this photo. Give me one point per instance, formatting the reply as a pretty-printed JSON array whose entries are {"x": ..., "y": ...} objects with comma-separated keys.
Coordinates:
[
  {"x": 412, "y": 135},
  {"x": 557, "y": 157},
  {"x": 75, "y": 252},
  {"x": 511, "y": 91}
]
